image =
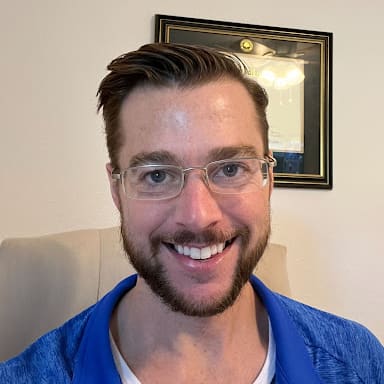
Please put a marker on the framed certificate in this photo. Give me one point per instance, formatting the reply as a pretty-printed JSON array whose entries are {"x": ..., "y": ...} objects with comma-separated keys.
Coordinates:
[{"x": 295, "y": 68}]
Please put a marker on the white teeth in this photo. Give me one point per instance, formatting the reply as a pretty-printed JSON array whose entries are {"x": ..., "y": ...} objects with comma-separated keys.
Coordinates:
[
  {"x": 205, "y": 253},
  {"x": 195, "y": 253},
  {"x": 200, "y": 253}
]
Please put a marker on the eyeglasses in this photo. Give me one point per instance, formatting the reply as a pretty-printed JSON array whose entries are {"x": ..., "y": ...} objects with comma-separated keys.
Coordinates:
[{"x": 162, "y": 181}]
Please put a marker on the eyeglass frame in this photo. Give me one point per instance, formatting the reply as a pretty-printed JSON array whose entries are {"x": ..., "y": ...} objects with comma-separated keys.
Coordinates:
[{"x": 117, "y": 174}]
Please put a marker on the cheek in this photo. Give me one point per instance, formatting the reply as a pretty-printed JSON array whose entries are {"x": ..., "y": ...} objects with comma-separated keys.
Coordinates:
[
  {"x": 252, "y": 211},
  {"x": 250, "y": 207},
  {"x": 143, "y": 218}
]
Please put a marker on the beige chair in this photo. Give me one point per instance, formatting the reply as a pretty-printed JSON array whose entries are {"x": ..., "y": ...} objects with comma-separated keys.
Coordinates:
[{"x": 46, "y": 280}]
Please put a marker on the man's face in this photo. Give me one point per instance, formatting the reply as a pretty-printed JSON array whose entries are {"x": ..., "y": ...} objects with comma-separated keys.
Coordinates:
[{"x": 192, "y": 127}]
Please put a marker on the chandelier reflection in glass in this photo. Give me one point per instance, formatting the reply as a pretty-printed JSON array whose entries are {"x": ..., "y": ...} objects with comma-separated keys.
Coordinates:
[
  {"x": 280, "y": 74},
  {"x": 274, "y": 72}
]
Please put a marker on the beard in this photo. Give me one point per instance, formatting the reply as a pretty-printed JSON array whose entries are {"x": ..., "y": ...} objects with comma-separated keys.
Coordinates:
[{"x": 150, "y": 268}]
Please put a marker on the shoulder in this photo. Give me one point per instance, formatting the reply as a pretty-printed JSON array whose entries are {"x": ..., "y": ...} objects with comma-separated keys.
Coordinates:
[
  {"x": 335, "y": 342},
  {"x": 52, "y": 356}
]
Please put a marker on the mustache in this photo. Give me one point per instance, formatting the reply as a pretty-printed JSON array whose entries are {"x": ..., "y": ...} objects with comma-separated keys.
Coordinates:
[{"x": 207, "y": 236}]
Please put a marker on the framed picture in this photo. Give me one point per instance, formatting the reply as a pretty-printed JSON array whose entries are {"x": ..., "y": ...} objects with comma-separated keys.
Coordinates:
[{"x": 295, "y": 68}]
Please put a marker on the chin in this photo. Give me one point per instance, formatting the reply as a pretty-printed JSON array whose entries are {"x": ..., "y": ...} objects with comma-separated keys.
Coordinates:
[{"x": 187, "y": 298}]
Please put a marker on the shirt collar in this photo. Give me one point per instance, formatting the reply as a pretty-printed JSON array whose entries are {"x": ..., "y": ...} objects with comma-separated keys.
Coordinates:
[
  {"x": 95, "y": 360},
  {"x": 293, "y": 364}
]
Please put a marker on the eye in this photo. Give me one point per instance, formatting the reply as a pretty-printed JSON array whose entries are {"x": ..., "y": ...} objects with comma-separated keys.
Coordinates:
[
  {"x": 157, "y": 176},
  {"x": 230, "y": 170},
  {"x": 151, "y": 180}
]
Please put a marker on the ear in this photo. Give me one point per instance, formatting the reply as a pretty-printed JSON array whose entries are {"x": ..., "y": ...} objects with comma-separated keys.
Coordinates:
[{"x": 114, "y": 186}]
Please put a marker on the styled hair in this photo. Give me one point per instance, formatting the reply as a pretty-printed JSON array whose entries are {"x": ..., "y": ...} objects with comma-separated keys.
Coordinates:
[{"x": 169, "y": 65}]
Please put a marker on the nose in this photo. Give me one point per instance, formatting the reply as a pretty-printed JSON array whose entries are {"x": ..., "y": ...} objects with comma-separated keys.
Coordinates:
[{"x": 197, "y": 207}]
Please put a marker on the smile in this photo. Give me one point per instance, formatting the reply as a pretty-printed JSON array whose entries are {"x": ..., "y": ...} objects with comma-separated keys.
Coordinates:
[{"x": 203, "y": 253}]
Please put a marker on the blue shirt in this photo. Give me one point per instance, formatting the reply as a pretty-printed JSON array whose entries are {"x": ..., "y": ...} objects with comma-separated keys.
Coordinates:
[{"x": 311, "y": 346}]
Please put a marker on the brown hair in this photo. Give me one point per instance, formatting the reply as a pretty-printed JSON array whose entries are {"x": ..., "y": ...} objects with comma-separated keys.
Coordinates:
[{"x": 164, "y": 64}]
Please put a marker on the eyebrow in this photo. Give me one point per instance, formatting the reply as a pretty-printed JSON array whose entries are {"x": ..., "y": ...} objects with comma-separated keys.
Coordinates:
[
  {"x": 156, "y": 157},
  {"x": 223, "y": 153},
  {"x": 166, "y": 157}
]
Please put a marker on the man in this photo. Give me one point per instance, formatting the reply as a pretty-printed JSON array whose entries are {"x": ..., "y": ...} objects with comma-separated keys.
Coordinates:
[{"x": 191, "y": 174}]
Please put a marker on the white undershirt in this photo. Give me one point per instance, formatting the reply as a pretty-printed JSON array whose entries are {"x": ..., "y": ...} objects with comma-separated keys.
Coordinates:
[{"x": 265, "y": 376}]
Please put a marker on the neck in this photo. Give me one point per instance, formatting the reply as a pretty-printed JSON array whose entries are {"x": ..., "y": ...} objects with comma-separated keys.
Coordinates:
[{"x": 144, "y": 328}]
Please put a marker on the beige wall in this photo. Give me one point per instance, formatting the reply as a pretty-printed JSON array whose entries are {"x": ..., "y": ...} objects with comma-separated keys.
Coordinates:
[{"x": 53, "y": 55}]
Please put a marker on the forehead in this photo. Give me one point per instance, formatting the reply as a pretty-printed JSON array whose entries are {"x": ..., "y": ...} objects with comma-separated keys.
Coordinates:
[{"x": 190, "y": 123}]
